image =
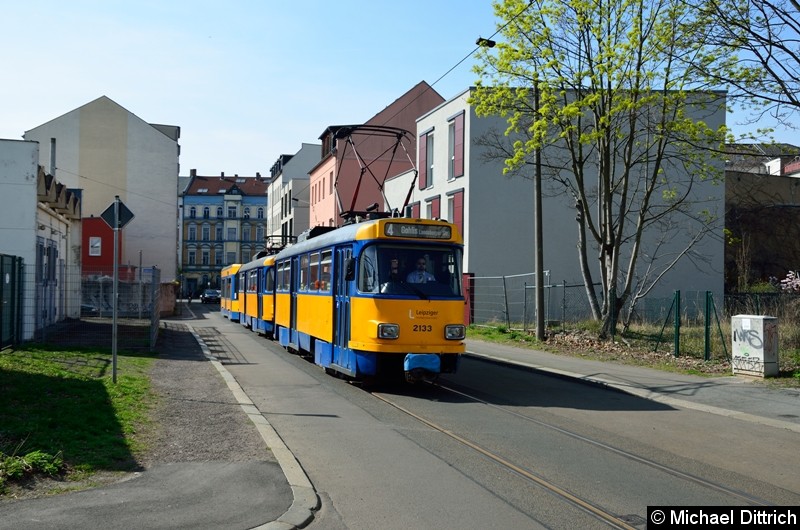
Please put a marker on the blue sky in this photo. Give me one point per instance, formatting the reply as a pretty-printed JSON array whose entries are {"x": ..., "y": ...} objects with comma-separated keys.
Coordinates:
[{"x": 246, "y": 81}]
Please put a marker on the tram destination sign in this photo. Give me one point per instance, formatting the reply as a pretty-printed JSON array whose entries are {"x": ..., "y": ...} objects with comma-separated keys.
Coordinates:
[{"x": 417, "y": 231}]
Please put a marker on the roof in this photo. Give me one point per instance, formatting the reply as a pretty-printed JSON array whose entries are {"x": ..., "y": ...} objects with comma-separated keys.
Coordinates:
[
  {"x": 218, "y": 185},
  {"x": 746, "y": 156}
]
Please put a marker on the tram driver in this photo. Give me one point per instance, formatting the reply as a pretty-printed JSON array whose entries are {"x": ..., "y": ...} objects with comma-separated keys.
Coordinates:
[{"x": 420, "y": 274}]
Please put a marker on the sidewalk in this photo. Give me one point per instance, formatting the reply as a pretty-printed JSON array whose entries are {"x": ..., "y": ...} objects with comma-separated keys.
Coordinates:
[
  {"x": 737, "y": 397},
  {"x": 159, "y": 498}
]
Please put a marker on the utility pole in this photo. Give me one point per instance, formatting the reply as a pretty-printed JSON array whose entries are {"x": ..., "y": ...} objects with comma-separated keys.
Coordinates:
[{"x": 538, "y": 243}]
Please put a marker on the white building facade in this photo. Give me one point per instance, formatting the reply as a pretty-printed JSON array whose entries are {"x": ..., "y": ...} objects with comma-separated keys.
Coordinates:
[
  {"x": 106, "y": 151},
  {"x": 40, "y": 220},
  {"x": 495, "y": 212},
  {"x": 288, "y": 194}
]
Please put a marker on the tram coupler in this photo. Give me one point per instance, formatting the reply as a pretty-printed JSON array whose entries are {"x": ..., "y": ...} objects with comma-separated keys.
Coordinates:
[{"x": 422, "y": 367}]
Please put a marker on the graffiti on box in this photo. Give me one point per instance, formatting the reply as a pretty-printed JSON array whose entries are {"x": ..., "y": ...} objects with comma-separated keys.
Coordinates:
[{"x": 751, "y": 350}]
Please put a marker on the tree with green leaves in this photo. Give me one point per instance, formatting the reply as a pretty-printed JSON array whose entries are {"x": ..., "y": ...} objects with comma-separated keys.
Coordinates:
[{"x": 620, "y": 126}]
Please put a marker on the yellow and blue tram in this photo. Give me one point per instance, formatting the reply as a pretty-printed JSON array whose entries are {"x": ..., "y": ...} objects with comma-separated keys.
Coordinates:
[
  {"x": 256, "y": 293},
  {"x": 229, "y": 297},
  {"x": 369, "y": 299},
  {"x": 374, "y": 298}
]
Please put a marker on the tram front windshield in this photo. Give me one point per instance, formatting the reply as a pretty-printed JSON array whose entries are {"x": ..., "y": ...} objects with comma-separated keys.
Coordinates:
[{"x": 410, "y": 270}]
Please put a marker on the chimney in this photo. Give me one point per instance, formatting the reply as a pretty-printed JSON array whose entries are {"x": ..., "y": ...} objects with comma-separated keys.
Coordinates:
[
  {"x": 53, "y": 156},
  {"x": 192, "y": 172}
]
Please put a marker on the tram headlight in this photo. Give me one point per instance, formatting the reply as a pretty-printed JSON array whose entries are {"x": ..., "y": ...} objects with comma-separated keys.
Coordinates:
[
  {"x": 455, "y": 332},
  {"x": 388, "y": 331}
]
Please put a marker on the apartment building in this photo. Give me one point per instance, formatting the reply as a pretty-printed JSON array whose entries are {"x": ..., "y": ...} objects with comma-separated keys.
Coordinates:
[
  {"x": 459, "y": 181},
  {"x": 223, "y": 220},
  {"x": 288, "y": 194},
  {"x": 352, "y": 169}
]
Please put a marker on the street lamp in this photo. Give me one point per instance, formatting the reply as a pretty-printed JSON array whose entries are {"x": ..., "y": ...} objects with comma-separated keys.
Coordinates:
[{"x": 537, "y": 221}]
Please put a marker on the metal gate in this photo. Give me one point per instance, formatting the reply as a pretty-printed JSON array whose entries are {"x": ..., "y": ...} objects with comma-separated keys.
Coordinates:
[{"x": 11, "y": 298}]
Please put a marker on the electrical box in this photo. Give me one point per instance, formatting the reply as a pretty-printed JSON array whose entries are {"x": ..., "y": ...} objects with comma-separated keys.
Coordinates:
[{"x": 754, "y": 340}]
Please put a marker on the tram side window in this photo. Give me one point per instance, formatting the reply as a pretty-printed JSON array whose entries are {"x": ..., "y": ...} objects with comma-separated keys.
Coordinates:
[
  {"x": 368, "y": 271},
  {"x": 269, "y": 281},
  {"x": 252, "y": 281},
  {"x": 303, "y": 272},
  {"x": 313, "y": 271},
  {"x": 283, "y": 276},
  {"x": 325, "y": 271}
]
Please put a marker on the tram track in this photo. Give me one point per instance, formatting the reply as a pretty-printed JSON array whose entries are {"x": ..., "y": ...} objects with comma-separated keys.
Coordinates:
[
  {"x": 740, "y": 496},
  {"x": 608, "y": 518},
  {"x": 589, "y": 507}
]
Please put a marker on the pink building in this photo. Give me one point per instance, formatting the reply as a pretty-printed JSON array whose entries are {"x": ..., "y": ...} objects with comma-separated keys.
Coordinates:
[{"x": 356, "y": 176}]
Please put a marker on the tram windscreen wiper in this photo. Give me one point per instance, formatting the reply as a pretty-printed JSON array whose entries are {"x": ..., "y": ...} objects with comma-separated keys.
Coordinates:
[{"x": 414, "y": 290}]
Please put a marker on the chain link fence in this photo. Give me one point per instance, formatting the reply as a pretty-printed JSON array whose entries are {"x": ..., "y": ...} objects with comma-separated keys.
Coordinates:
[
  {"x": 54, "y": 305},
  {"x": 510, "y": 301}
]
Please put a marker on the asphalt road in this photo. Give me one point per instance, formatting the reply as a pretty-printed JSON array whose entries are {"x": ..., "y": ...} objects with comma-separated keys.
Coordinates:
[{"x": 511, "y": 448}]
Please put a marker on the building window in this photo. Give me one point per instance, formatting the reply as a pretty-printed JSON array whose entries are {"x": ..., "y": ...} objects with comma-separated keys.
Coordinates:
[
  {"x": 230, "y": 257},
  {"x": 260, "y": 213},
  {"x": 259, "y": 233},
  {"x": 95, "y": 246},
  {"x": 206, "y": 257},
  {"x": 231, "y": 212},
  {"x": 192, "y": 212},
  {"x": 218, "y": 257},
  {"x": 247, "y": 213},
  {"x": 455, "y": 147},
  {"x": 206, "y": 212},
  {"x": 218, "y": 230},
  {"x": 246, "y": 233},
  {"x": 455, "y": 210},
  {"x": 232, "y": 234},
  {"x": 432, "y": 209},
  {"x": 429, "y": 158},
  {"x": 206, "y": 232},
  {"x": 192, "y": 233},
  {"x": 219, "y": 211},
  {"x": 425, "y": 153},
  {"x": 192, "y": 257}
]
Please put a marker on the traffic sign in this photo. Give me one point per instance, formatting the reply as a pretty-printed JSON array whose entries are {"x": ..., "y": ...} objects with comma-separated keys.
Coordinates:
[{"x": 124, "y": 215}]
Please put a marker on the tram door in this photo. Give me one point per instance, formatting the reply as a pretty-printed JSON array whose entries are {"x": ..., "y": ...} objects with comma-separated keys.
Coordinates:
[
  {"x": 341, "y": 309},
  {"x": 261, "y": 291},
  {"x": 294, "y": 283}
]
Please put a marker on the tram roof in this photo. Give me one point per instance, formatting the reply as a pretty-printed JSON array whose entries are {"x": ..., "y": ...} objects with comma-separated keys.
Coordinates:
[
  {"x": 231, "y": 269},
  {"x": 258, "y": 262},
  {"x": 372, "y": 229}
]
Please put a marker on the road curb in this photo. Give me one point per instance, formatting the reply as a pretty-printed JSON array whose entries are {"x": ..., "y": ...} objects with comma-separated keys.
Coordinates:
[
  {"x": 305, "y": 499},
  {"x": 642, "y": 393}
]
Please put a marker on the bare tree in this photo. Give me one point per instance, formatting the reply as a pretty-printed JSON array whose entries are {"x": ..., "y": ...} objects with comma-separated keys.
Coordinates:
[{"x": 752, "y": 47}]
